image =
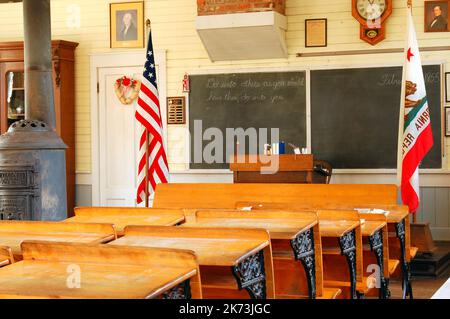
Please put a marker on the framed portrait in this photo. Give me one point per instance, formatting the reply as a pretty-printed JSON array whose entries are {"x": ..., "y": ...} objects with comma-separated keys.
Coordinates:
[
  {"x": 127, "y": 24},
  {"x": 447, "y": 121},
  {"x": 436, "y": 16},
  {"x": 315, "y": 33},
  {"x": 447, "y": 87}
]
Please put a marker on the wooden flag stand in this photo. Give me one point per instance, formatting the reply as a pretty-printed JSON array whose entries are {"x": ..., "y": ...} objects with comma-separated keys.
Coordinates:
[{"x": 421, "y": 237}]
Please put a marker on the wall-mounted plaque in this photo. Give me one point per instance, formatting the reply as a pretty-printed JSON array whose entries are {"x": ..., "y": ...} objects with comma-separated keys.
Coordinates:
[
  {"x": 176, "y": 113},
  {"x": 315, "y": 33}
]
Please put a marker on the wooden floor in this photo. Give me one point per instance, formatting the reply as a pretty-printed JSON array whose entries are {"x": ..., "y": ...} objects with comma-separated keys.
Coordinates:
[{"x": 423, "y": 287}]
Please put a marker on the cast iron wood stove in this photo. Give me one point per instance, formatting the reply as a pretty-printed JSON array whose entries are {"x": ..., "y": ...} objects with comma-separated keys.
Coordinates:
[
  {"x": 30, "y": 163},
  {"x": 32, "y": 155}
]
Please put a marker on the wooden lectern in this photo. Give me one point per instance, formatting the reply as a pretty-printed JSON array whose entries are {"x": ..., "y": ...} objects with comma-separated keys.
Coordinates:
[{"x": 297, "y": 169}]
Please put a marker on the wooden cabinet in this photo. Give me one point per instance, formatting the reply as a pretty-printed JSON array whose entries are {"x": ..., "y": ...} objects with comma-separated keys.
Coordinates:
[{"x": 12, "y": 97}]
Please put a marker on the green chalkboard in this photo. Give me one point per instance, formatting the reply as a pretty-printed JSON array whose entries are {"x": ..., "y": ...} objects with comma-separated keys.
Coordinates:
[
  {"x": 355, "y": 116},
  {"x": 217, "y": 102}
]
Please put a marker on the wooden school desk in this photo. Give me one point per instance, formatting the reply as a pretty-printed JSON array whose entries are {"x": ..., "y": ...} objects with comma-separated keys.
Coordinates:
[
  {"x": 375, "y": 236},
  {"x": 293, "y": 239},
  {"x": 398, "y": 230},
  {"x": 226, "y": 196},
  {"x": 400, "y": 248},
  {"x": 6, "y": 256},
  {"x": 50, "y": 270},
  {"x": 13, "y": 233},
  {"x": 124, "y": 216},
  {"x": 342, "y": 251},
  {"x": 230, "y": 259}
]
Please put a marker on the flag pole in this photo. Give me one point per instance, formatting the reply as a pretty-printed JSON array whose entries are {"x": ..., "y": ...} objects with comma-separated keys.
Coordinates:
[
  {"x": 402, "y": 114},
  {"x": 148, "y": 25},
  {"x": 410, "y": 7}
]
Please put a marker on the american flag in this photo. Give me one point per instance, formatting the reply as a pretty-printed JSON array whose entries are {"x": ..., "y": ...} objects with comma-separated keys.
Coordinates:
[{"x": 148, "y": 113}]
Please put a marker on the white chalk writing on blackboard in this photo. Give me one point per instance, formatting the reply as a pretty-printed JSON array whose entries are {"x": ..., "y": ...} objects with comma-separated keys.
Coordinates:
[
  {"x": 227, "y": 90},
  {"x": 392, "y": 79}
]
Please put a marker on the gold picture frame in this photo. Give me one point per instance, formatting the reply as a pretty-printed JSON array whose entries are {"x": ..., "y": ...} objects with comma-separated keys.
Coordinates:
[
  {"x": 126, "y": 27},
  {"x": 316, "y": 33},
  {"x": 437, "y": 16}
]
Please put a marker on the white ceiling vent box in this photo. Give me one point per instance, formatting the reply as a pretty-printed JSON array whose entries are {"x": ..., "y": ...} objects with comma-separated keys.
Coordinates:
[{"x": 243, "y": 36}]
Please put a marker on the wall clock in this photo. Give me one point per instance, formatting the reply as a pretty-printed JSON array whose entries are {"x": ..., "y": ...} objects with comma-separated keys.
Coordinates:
[{"x": 372, "y": 16}]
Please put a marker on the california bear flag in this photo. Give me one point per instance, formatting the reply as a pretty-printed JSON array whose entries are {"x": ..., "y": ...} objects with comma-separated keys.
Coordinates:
[{"x": 415, "y": 135}]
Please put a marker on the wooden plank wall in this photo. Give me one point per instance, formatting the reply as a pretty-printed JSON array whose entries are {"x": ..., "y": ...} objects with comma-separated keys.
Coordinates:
[
  {"x": 435, "y": 209},
  {"x": 173, "y": 25}
]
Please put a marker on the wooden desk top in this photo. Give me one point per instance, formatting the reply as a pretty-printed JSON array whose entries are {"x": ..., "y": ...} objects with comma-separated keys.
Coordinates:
[
  {"x": 331, "y": 223},
  {"x": 213, "y": 246},
  {"x": 372, "y": 223},
  {"x": 280, "y": 225},
  {"x": 336, "y": 223},
  {"x": 396, "y": 212},
  {"x": 337, "y": 228},
  {"x": 13, "y": 233},
  {"x": 125, "y": 216},
  {"x": 106, "y": 271},
  {"x": 369, "y": 227}
]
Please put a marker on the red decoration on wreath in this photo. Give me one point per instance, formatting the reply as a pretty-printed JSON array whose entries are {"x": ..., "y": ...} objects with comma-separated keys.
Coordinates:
[
  {"x": 122, "y": 88},
  {"x": 126, "y": 81}
]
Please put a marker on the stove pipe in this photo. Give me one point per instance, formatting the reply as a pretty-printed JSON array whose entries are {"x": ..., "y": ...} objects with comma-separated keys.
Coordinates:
[{"x": 39, "y": 100}]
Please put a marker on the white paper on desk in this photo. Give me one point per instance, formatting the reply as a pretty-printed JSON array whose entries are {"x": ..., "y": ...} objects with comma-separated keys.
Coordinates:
[{"x": 372, "y": 211}]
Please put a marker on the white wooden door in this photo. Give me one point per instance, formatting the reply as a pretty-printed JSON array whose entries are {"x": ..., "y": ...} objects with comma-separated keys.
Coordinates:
[
  {"x": 118, "y": 140},
  {"x": 114, "y": 130}
]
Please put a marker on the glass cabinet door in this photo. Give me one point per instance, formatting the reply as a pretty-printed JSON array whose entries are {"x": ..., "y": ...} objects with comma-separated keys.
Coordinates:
[{"x": 15, "y": 96}]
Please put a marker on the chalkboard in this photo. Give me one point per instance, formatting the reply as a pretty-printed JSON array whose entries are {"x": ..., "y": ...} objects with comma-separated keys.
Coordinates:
[
  {"x": 275, "y": 100},
  {"x": 355, "y": 116}
]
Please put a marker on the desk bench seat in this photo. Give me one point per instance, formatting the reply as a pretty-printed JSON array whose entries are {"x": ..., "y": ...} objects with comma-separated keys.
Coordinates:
[
  {"x": 13, "y": 233},
  {"x": 244, "y": 253},
  {"x": 121, "y": 217},
  {"x": 393, "y": 264}
]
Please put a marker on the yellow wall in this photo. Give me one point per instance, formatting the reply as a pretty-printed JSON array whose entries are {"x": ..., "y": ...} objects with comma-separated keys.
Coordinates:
[{"x": 173, "y": 25}]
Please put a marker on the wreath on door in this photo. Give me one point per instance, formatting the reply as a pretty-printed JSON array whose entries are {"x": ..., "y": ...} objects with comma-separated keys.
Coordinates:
[{"x": 127, "y": 89}]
